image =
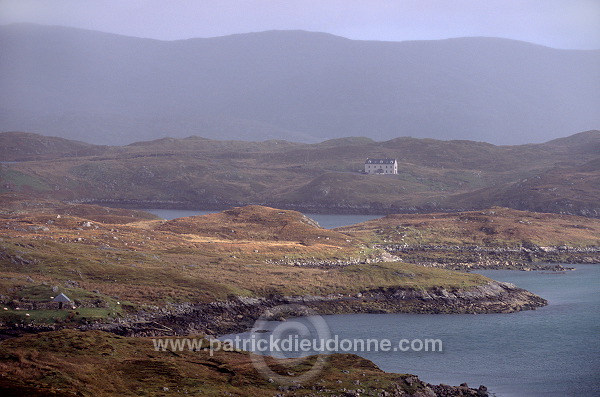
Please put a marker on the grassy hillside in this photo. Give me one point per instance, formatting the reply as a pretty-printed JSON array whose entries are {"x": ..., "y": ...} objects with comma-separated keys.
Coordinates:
[
  {"x": 256, "y": 223},
  {"x": 559, "y": 176},
  {"x": 125, "y": 270}
]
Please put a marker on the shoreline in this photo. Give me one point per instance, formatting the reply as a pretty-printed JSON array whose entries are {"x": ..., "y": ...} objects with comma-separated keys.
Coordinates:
[
  {"x": 240, "y": 313},
  {"x": 314, "y": 209}
]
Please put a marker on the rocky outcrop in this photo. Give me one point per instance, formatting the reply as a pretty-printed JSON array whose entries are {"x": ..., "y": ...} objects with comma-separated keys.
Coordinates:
[
  {"x": 403, "y": 386},
  {"x": 465, "y": 257},
  {"x": 329, "y": 263},
  {"x": 462, "y": 390}
]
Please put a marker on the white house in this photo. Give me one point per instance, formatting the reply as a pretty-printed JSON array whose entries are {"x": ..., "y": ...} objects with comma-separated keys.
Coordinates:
[{"x": 381, "y": 166}]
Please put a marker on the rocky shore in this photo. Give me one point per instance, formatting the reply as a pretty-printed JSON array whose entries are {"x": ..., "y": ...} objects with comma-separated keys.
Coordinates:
[
  {"x": 398, "y": 388},
  {"x": 239, "y": 314}
]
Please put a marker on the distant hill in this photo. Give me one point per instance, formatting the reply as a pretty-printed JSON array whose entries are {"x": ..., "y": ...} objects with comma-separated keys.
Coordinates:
[
  {"x": 569, "y": 190},
  {"x": 561, "y": 176},
  {"x": 23, "y": 146},
  {"x": 292, "y": 85}
]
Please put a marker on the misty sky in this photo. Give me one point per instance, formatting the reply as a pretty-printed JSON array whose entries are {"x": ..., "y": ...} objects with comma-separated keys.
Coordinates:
[{"x": 555, "y": 23}]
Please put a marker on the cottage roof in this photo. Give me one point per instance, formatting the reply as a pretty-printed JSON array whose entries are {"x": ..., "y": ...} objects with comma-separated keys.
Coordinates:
[
  {"x": 61, "y": 298},
  {"x": 380, "y": 161}
]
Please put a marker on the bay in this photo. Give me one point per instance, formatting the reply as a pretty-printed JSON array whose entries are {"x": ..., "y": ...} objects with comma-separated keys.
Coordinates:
[{"x": 552, "y": 351}]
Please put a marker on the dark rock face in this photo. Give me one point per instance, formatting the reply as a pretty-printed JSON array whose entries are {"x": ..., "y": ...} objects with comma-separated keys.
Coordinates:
[{"x": 462, "y": 390}]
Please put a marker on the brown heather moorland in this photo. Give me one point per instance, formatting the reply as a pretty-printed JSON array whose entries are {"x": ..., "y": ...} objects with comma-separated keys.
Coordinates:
[
  {"x": 74, "y": 363},
  {"x": 560, "y": 176},
  {"x": 195, "y": 259}
]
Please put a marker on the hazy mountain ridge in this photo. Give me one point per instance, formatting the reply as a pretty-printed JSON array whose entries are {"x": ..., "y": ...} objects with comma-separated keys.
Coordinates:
[
  {"x": 23, "y": 146},
  {"x": 559, "y": 176},
  {"x": 292, "y": 85}
]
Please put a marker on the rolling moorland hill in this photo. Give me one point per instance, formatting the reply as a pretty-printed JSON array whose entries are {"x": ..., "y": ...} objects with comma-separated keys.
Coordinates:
[
  {"x": 257, "y": 223},
  {"x": 156, "y": 262},
  {"x": 16, "y": 204},
  {"x": 560, "y": 190},
  {"x": 560, "y": 176},
  {"x": 20, "y": 146},
  {"x": 293, "y": 85}
]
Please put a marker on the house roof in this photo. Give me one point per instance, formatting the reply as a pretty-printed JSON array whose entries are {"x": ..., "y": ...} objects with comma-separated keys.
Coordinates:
[
  {"x": 380, "y": 161},
  {"x": 61, "y": 298}
]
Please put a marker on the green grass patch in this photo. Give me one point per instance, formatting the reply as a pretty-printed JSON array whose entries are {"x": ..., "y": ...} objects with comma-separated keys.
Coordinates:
[
  {"x": 397, "y": 274},
  {"x": 49, "y": 316},
  {"x": 19, "y": 180}
]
